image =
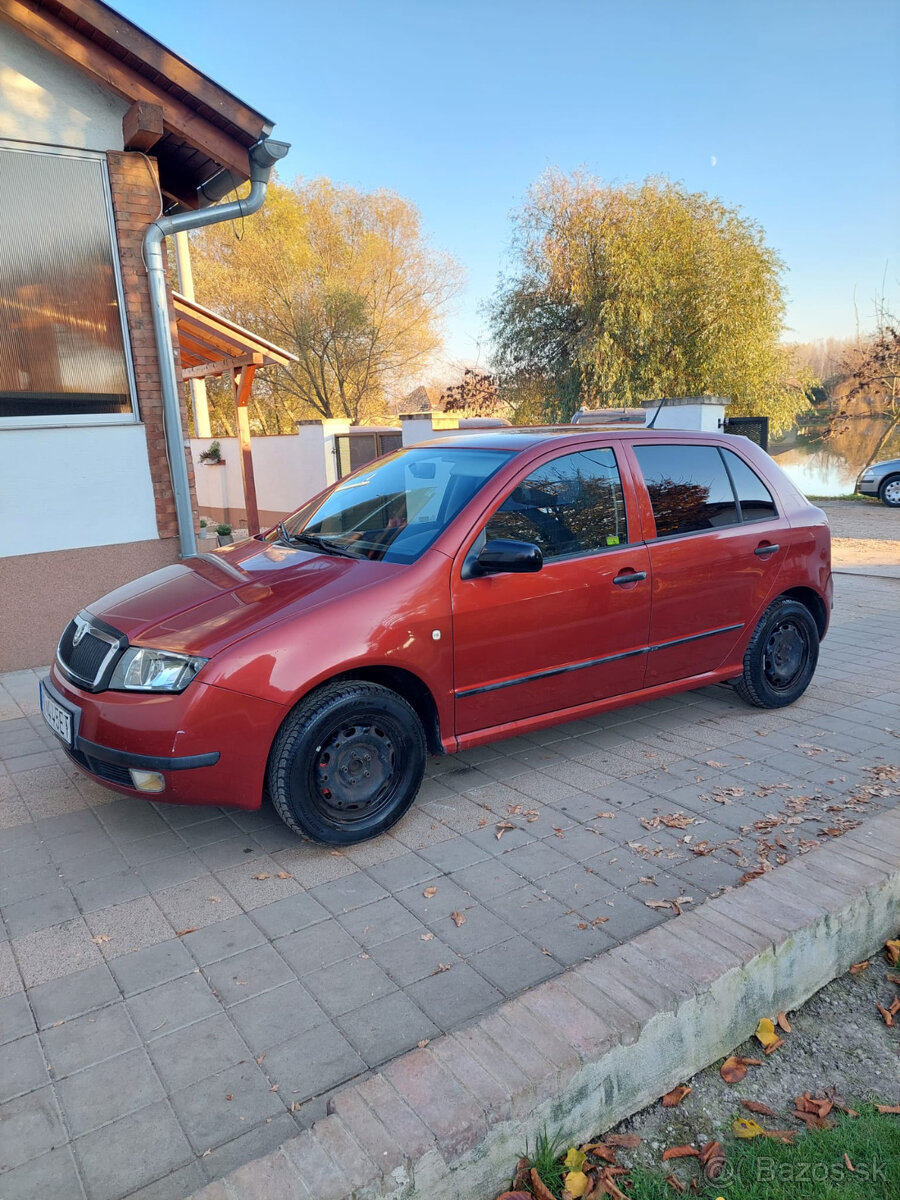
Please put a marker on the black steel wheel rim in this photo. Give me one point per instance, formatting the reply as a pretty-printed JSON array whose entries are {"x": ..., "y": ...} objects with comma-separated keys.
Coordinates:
[
  {"x": 786, "y": 655},
  {"x": 355, "y": 771}
]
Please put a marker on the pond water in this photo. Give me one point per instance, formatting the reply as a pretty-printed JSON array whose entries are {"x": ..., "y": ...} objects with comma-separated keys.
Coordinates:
[{"x": 827, "y": 463}]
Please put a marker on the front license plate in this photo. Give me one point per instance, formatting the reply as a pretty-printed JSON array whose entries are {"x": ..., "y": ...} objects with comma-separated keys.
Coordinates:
[{"x": 58, "y": 718}]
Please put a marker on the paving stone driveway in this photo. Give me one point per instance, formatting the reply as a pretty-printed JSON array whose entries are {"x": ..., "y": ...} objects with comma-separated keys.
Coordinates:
[{"x": 181, "y": 988}]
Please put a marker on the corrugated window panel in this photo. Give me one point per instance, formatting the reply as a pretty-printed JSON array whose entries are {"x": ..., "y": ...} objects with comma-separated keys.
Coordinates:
[{"x": 61, "y": 344}]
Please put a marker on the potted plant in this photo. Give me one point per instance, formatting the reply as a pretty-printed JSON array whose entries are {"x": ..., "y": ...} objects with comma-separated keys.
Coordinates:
[
  {"x": 212, "y": 455},
  {"x": 223, "y": 532},
  {"x": 205, "y": 530}
]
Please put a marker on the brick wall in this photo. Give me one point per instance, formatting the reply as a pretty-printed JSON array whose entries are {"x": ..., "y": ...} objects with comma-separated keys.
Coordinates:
[{"x": 135, "y": 198}]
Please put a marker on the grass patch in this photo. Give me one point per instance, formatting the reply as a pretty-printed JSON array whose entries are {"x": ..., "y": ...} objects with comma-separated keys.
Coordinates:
[
  {"x": 545, "y": 1158},
  {"x": 813, "y": 1168}
]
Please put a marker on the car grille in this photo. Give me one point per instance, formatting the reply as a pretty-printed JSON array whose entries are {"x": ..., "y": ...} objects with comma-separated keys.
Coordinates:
[
  {"x": 89, "y": 658},
  {"x": 103, "y": 770}
]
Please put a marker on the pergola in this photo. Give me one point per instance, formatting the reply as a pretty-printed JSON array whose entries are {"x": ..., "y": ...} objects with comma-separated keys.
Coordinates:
[{"x": 211, "y": 345}]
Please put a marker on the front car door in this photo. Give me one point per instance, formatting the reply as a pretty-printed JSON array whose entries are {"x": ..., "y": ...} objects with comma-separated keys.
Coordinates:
[
  {"x": 716, "y": 556},
  {"x": 574, "y": 632}
]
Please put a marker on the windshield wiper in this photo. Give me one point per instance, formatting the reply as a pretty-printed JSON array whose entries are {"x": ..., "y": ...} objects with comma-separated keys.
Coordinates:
[{"x": 326, "y": 545}]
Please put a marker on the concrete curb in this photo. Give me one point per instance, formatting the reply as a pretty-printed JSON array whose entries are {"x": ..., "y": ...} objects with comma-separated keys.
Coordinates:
[{"x": 595, "y": 1044}]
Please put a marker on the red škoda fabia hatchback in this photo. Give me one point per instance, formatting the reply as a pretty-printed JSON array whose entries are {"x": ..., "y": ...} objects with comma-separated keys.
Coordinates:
[{"x": 444, "y": 596}]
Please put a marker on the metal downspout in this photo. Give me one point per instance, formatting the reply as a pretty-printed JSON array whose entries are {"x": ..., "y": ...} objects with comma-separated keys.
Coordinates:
[{"x": 263, "y": 157}]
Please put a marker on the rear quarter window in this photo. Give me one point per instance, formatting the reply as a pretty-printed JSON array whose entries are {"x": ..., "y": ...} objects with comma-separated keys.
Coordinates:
[
  {"x": 753, "y": 496},
  {"x": 689, "y": 488}
]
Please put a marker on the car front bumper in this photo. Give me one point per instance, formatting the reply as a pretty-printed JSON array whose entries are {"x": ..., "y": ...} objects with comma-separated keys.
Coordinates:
[
  {"x": 209, "y": 745},
  {"x": 868, "y": 487}
]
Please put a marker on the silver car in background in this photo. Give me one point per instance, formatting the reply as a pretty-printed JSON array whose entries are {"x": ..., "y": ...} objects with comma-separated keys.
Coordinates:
[{"x": 882, "y": 479}]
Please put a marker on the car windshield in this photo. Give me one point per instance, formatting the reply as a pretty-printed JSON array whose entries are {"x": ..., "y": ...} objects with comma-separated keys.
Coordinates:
[{"x": 394, "y": 509}]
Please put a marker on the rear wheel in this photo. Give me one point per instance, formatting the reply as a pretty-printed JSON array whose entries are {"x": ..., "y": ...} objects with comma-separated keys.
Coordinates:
[
  {"x": 889, "y": 492},
  {"x": 347, "y": 763},
  {"x": 781, "y": 656}
]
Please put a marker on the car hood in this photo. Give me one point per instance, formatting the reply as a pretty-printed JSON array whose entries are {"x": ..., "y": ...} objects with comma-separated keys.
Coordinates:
[{"x": 204, "y": 604}]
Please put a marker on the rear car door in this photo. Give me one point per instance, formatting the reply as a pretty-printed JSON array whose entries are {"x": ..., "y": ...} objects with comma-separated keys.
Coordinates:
[
  {"x": 574, "y": 632},
  {"x": 715, "y": 559}
]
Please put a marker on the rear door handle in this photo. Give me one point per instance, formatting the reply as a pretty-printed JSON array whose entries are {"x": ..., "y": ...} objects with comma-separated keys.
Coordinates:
[
  {"x": 767, "y": 548},
  {"x": 629, "y": 577}
]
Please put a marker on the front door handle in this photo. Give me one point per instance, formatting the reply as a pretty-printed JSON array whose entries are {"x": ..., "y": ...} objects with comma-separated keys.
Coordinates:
[
  {"x": 628, "y": 577},
  {"x": 764, "y": 549}
]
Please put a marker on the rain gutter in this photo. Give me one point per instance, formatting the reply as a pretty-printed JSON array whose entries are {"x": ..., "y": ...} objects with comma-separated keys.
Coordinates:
[{"x": 263, "y": 157}]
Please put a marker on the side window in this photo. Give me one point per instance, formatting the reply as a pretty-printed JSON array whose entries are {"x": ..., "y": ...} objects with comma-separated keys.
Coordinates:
[
  {"x": 572, "y": 505},
  {"x": 754, "y": 497},
  {"x": 689, "y": 488}
]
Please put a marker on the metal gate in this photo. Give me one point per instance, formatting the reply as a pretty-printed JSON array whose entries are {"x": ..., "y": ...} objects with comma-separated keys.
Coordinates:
[{"x": 754, "y": 428}]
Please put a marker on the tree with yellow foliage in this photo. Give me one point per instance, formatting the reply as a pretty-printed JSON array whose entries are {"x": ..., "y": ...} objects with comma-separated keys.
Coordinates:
[{"x": 345, "y": 280}]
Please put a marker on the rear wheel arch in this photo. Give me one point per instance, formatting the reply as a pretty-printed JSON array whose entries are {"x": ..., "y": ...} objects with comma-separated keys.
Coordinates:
[{"x": 810, "y": 599}]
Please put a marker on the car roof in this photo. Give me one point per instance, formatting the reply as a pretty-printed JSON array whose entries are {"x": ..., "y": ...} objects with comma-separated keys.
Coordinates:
[{"x": 525, "y": 437}]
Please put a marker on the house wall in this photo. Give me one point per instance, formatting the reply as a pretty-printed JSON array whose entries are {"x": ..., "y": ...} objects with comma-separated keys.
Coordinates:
[
  {"x": 83, "y": 507},
  {"x": 43, "y": 99}
]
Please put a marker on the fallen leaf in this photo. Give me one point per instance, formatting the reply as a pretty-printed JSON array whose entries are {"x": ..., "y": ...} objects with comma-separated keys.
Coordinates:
[
  {"x": 892, "y": 949},
  {"x": 850, "y": 1166},
  {"x": 783, "y": 1022},
  {"x": 190, "y": 929},
  {"x": 658, "y": 903},
  {"x": 263, "y": 875},
  {"x": 607, "y": 815},
  {"x": 274, "y": 1087},
  {"x": 885, "y": 1013},
  {"x": 601, "y": 1150},
  {"x": 888, "y": 1108},
  {"x": 441, "y": 967},
  {"x": 858, "y": 968},
  {"x": 228, "y": 1096},
  {"x": 676, "y": 820},
  {"x": 503, "y": 827},
  {"x": 680, "y": 1152},
  {"x": 515, "y": 1196},
  {"x": 429, "y": 892},
  {"x": 675, "y": 1097},
  {"x": 215, "y": 899},
  {"x": 424, "y": 1042},
  {"x": 574, "y": 1160},
  {"x": 627, "y": 1141},
  {"x": 538, "y": 1188},
  {"x": 284, "y": 875},
  {"x": 101, "y": 938},
  {"x": 734, "y": 1068},
  {"x": 458, "y": 918},
  {"x": 743, "y": 1127},
  {"x": 712, "y": 1160},
  {"x": 755, "y": 1107},
  {"x": 765, "y": 1032},
  {"x": 576, "y": 1184},
  {"x": 426, "y": 937},
  {"x": 892, "y": 978},
  {"x": 675, "y": 1184}
]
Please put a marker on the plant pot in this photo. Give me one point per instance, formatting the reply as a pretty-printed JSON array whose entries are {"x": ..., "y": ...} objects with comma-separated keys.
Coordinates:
[
  {"x": 225, "y": 539},
  {"x": 212, "y": 462}
]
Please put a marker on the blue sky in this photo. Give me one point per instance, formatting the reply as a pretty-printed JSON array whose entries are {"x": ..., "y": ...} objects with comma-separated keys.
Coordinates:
[{"x": 789, "y": 110}]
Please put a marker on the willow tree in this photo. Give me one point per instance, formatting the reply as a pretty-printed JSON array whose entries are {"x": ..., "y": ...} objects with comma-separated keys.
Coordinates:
[
  {"x": 345, "y": 280},
  {"x": 619, "y": 295}
]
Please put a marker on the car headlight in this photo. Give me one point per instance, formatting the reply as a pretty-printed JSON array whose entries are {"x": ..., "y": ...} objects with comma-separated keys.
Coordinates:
[{"x": 144, "y": 670}]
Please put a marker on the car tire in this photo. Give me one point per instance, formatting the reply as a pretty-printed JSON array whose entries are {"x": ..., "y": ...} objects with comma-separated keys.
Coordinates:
[
  {"x": 889, "y": 492},
  {"x": 781, "y": 655},
  {"x": 347, "y": 763}
]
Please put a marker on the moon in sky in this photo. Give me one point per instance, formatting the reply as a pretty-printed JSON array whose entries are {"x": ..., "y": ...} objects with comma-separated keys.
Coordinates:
[{"x": 713, "y": 160}]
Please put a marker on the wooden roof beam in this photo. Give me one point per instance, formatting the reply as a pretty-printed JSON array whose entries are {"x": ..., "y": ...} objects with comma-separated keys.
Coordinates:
[
  {"x": 142, "y": 126},
  {"x": 221, "y": 365}
]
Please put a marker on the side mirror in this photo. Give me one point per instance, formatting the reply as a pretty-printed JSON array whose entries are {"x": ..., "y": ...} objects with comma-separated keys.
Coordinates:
[{"x": 504, "y": 555}]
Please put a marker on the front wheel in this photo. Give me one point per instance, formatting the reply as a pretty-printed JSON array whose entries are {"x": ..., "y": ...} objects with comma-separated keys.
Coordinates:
[
  {"x": 889, "y": 492},
  {"x": 347, "y": 763},
  {"x": 781, "y": 656}
]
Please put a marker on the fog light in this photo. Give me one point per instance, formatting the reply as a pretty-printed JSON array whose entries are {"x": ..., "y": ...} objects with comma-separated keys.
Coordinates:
[{"x": 147, "y": 781}]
